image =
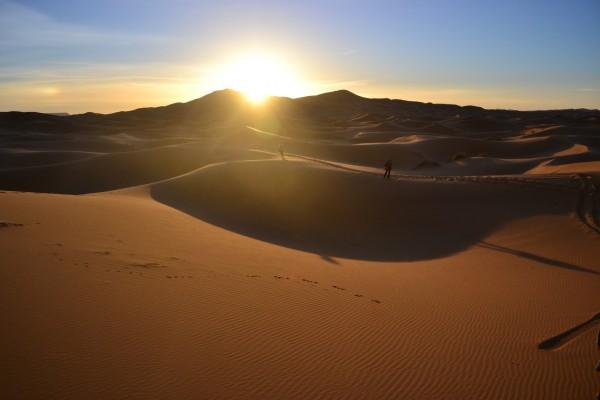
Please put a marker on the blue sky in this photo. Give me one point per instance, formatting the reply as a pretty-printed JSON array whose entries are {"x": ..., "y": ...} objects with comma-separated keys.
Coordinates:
[{"x": 111, "y": 55}]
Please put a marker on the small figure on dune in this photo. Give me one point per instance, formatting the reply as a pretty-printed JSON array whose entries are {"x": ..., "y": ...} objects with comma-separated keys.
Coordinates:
[
  {"x": 281, "y": 151},
  {"x": 591, "y": 183},
  {"x": 388, "y": 169}
]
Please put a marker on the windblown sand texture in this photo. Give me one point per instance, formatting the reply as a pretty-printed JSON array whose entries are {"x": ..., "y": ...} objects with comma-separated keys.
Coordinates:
[{"x": 170, "y": 253}]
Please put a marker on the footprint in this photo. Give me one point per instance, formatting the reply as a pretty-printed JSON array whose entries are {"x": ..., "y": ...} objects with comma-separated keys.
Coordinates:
[
  {"x": 251, "y": 276},
  {"x": 338, "y": 288},
  {"x": 358, "y": 295},
  {"x": 102, "y": 253},
  {"x": 376, "y": 301},
  {"x": 148, "y": 265},
  {"x": 10, "y": 225},
  {"x": 309, "y": 281},
  {"x": 280, "y": 277}
]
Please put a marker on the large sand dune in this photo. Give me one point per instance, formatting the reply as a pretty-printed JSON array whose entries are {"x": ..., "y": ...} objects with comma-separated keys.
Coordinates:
[
  {"x": 346, "y": 214},
  {"x": 171, "y": 253}
]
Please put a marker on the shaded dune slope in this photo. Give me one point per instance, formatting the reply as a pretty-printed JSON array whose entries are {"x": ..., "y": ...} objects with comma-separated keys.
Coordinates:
[
  {"x": 63, "y": 172},
  {"x": 485, "y": 166},
  {"x": 118, "y": 170},
  {"x": 21, "y": 159},
  {"x": 339, "y": 213}
]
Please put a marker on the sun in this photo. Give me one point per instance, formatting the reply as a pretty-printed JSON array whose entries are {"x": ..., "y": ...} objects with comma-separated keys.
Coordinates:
[{"x": 259, "y": 75}]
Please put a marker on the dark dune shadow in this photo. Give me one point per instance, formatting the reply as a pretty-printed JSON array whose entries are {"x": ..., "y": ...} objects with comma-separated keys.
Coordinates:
[
  {"x": 117, "y": 170},
  {"x": 569, "y": 334},
  {"x": 537, "y": 258},
  {"x": 348, "y": 215},
  {"x": 329, "y": 259}
]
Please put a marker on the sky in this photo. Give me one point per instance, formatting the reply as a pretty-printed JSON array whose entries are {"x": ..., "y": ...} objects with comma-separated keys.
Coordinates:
[{"x": 106, "y": 56}]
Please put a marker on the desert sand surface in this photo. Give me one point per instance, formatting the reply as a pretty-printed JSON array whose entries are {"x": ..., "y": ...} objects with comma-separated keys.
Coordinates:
[{"x": 171, "y": 253}]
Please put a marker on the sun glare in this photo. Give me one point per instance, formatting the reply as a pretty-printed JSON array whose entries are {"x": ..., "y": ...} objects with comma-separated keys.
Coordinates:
[{"x": 258, "y": 76}]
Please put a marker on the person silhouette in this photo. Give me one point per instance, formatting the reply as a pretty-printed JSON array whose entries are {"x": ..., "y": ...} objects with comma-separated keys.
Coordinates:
[
  {"x": 281, "y": 152},
  {"x": 388, "y": 169}
]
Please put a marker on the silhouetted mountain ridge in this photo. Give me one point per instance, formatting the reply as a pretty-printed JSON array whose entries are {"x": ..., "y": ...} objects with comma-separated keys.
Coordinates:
[{"x": 228, "y": 107}]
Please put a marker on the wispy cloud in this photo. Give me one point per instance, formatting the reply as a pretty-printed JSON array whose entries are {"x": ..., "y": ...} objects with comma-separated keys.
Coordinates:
[
  {"x": 98, "y": 72},
  {"x": 22, "y": 26},
  {"x": 79, "y": 87},
  {"x": 99, "y": 96}
]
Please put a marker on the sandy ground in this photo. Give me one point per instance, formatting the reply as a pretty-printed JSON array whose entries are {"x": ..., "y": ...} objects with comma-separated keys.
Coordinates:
[
  {"x": 202, "y": 266},
  {"x": 129, "y": 294}
]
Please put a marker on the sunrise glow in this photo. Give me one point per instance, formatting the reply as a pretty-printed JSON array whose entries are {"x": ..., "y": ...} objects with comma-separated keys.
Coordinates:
[{"x": 258, "y": 75}]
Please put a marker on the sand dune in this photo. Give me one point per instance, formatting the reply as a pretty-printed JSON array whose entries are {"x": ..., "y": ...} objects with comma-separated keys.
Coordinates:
[
  {"x": 117, "y": 170},
  {"x": 357, "y": 214},
  {"x": 445, "y": 149},
  {"x": 371, "y": 117},
  {"x": 587, "y": 167},
  {"x": 20, "y": 159},
  {"x": 194, "y": 262},
  {"x": 479, "y": 124},
  {"x": 488, "y": 166},
  {"x": 378, "y": 137},
  {"x": 410, "y": 153},
  {"x": 197, "y": 308}
]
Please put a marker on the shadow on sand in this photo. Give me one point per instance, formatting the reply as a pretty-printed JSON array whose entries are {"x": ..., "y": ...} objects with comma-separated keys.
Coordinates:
[
  {"x": 335, "y": 213},
  {"x": 534, "y": 257},
  {"x": 564, "y": 337}
]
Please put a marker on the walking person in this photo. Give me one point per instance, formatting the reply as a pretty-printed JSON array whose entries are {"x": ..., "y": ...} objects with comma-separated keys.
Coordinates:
[
  {"x": 388, "y": 169},
  {"x": 281, "y": 152}
]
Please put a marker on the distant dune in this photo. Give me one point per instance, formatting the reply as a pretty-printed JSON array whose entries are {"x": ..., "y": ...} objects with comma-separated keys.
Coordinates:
[
  {"x": 338, "y": 118},
  {"x": 213, "y": 249}
]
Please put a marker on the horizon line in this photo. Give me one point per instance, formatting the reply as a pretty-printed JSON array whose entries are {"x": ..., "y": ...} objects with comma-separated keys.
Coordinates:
[{"x": 238, "y": 92}]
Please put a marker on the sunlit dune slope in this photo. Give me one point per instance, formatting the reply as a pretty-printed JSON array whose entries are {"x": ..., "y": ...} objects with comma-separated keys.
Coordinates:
[
  {"x": 476, "y": 156},
  {"x": 116, "y": 296}
]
